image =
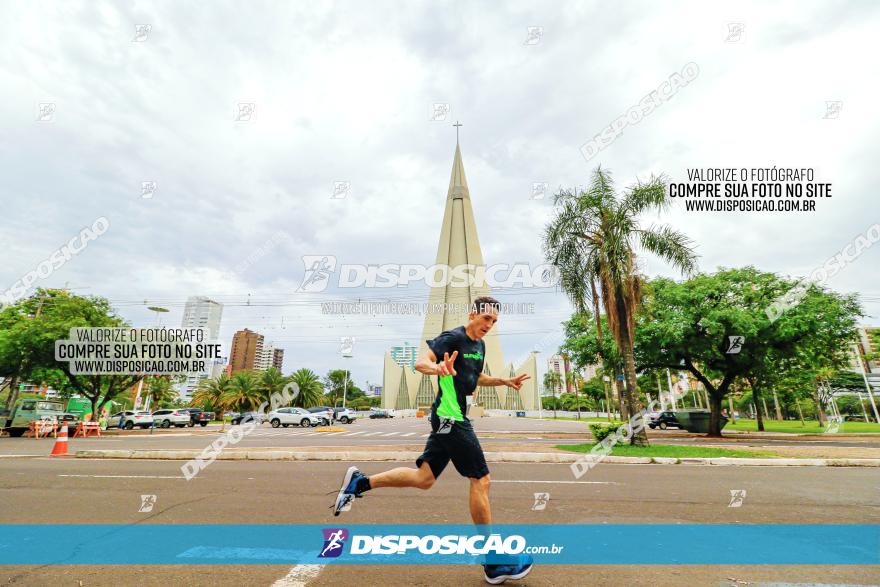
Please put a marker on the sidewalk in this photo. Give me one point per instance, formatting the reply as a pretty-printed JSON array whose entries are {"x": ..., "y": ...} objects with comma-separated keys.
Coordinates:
[{"x": 512, "y": 454}]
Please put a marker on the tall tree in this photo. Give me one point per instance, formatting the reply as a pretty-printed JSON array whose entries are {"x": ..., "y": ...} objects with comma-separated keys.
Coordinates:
[
  {"x": 310, "y": 388},
  {"x": 212, "y": 393},
  {"x": 552, "y": 383},
  {"x": 595, "y": 235},
  {"x": 30, "y": 327},
  {"x": 244, "y": 392},
  {"x": 716, "y": 327},
  {"x": 337, "y": 383},
  {"x": 159, "y": 390},
  {"x": 271, "y": 381}
]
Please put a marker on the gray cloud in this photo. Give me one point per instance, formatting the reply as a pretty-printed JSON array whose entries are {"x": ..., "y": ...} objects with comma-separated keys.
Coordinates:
[{"x": 344, "y": 94}]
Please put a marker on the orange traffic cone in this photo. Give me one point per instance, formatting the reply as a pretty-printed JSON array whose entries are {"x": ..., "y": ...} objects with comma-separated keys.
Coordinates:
[{"x": 60, "y": 448}]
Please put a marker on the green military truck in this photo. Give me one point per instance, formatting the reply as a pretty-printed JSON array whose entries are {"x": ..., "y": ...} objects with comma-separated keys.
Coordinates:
[{"x": 26, "y": 411}]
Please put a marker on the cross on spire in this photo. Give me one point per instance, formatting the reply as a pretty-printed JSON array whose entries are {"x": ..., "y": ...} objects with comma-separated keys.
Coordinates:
[{"x": 456, "y": 125}]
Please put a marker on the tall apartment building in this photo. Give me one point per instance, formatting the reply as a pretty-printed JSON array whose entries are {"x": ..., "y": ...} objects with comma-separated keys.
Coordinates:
[
  {"x": 560, "y": 366},
  {"x": 203, "y": 312},
  {"x": 278, "y": 359},
  {"x": 246, "y": 352},
  {"x": 405, "y": 355},
  {"x": 200, "y": 312}
]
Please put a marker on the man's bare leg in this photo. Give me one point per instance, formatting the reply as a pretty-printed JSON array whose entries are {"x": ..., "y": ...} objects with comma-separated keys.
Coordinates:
[
  {"x": 421, "y": 478},
  {"x": 481, "y": 512}
]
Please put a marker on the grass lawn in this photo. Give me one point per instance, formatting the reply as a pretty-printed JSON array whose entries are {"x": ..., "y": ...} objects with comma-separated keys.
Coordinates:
[
  {"x": 795, "y": 426},
  {"x": 669, "y": 450}
]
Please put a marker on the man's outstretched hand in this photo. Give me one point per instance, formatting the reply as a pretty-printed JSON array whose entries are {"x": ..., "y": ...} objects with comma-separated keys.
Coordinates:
[
  {"x": 516, "y": 382},
  {"x": 445, "y": 367}
]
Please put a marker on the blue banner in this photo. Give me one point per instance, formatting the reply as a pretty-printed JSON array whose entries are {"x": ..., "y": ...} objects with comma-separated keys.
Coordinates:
[{"x": 606, "y": 544}]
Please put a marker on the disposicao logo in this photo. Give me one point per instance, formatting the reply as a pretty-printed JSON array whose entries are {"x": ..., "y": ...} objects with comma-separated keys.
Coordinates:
[{"x": 334, "y": 542}]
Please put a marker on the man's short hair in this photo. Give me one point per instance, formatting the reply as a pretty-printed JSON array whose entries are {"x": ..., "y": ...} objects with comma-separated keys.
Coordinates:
[{"x": 484, "y": 304}]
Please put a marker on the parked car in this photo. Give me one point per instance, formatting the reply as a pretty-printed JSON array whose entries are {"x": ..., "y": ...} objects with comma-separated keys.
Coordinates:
[
  {"x": 256, "y": 417},
  {"x": 167, "y": 417},
  {"x": 293, "y": 417},
  {"x": 129, "y": 419},
  {"x": 323, "y": 412},
  {"x": 664, "y": 420},
  {"x": 380, "y": 413},
  {"x": 344, "y": 415},
  {"x": 18, "y": 421},
  {"x": 197, "y": 416}
]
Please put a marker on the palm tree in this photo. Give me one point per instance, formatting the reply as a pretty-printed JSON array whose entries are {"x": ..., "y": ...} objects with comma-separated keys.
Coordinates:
[
  {"x": 244, "y": 393},
  {"x": 159, "y": 389},
  {"x": 592, "y": 238},
  {"x": 210, "y": 392},
  {"x": 213, "y": 393},
  {"x": 577, "y": 381},
  {"x": 310, "y": 389},
  {"x": 271, "y": 381},
  {"x": 552, "y": 381}
]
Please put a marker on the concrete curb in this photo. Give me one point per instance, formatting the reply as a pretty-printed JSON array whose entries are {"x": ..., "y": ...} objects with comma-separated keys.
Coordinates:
[{"x": 492, "y": 457}]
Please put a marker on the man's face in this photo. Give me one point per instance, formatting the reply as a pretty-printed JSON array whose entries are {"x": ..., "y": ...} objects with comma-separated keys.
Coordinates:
[{"x": 482, "y": 322}]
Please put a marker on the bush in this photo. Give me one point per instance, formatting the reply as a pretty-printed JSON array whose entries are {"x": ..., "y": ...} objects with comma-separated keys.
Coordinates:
[{"x": 602, "y": 431}]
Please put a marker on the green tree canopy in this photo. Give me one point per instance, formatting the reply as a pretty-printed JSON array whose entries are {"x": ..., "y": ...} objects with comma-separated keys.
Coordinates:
[
  {"x": 29, "y": 329},
  {"x": 691, "y": 325}
]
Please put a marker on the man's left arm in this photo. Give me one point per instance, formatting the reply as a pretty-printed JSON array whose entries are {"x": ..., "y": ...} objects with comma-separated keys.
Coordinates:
[{"x": 514, "y": 382}]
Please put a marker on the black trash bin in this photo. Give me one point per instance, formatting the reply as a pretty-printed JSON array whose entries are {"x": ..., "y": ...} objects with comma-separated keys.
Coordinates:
[{"x": 697, "y": 420}]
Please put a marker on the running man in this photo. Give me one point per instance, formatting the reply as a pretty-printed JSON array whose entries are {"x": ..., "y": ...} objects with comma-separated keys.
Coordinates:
[{"x": 452, "y": 437}]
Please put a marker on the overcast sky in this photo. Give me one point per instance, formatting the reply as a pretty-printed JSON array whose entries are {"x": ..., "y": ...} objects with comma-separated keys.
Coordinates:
[{"x": 344, "y": 92}]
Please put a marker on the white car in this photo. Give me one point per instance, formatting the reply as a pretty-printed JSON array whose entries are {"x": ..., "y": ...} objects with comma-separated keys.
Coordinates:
[
  {"x": 169, "y": 417},
  {"x": 129, "y": 420},
  {"x": 293, "y": 417}
]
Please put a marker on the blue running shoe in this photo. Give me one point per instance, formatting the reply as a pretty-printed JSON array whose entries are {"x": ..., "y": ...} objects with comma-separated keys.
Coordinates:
[
  {"x": 348, "y": 491},
  {"x": 498, "y": 574}
]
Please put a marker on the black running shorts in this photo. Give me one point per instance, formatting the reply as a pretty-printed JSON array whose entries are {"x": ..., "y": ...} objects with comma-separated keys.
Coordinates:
[{"x": 460, "y": 445}]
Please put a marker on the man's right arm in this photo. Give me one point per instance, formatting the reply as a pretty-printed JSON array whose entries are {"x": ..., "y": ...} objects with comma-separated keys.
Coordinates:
[{"x": 427, "y": 363}]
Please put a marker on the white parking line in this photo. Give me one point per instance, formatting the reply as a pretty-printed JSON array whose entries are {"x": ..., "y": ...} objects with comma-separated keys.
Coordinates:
[
  {"x": 354, "y": 433},
  {"x": 409, "y": 434},
  {"x": 391, "y": 434},
  {"x": 373, "y": 433}
]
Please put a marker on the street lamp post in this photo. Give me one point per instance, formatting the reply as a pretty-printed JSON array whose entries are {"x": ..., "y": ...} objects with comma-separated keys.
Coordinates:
[
  {"x": 347, "y": 352},
  {"x": 159, "y": 311}
]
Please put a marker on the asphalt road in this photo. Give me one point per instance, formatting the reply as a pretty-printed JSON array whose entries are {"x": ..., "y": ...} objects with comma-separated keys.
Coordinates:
[
  {"x": 401, "y": 431},
  {"x": 43, "y": 490}
]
